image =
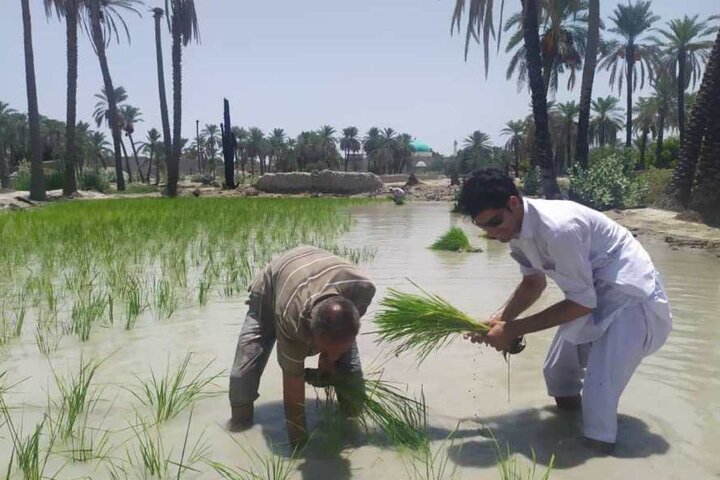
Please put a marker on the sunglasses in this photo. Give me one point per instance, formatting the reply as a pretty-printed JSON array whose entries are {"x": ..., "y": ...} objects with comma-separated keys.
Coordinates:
[{"x": 495, "y": 221}]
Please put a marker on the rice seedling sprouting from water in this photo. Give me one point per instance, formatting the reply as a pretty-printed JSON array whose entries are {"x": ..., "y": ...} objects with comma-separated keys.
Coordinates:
[
  {"x": 433, "y": 464},
  {"x": 269, "y": 466},
  {"x": 454, "y": 240},
  {"x": 75, "y": 396},
  {"x": 174, "y": 391}
]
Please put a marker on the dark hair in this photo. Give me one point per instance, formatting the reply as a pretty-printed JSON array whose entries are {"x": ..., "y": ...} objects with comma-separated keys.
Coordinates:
[
  {"x": 486, "y": 188},
  {"x": 335, "y": 316}
]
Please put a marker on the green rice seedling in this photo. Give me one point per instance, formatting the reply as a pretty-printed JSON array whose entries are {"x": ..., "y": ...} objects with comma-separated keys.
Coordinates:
[
  {"x": 204, "y": 287},
  {"x": 75, "y": 396},
  {"x": 86, "y": 311},
  {"x": 154, "y": 459},
  {"x": 264, "y": 466},
  {"x": 454, "y": 240},
  {"x": 174, "y": 391},
  {"x": 166, "y": 301},
  {"x": 432, "y": 464},
  {"x": 88, "y": 443},
  {"x": 134, "y": 303},
  {"x": 421, "y": 323},
  {"x": 511, "y": 467},
  {"x": 47, "y": 338}
]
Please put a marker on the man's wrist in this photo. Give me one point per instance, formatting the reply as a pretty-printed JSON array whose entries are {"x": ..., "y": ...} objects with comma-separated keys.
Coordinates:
[{"x": 516, "y": 327}]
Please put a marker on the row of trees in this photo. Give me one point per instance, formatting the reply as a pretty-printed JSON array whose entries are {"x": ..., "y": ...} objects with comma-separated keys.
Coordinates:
[
  {"x": 103, "y": 21},
  {"x": 550, "y": 39}
]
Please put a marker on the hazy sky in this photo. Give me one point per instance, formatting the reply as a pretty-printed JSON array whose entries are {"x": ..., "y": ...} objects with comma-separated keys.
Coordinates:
[{"x": 299, "y": 64}]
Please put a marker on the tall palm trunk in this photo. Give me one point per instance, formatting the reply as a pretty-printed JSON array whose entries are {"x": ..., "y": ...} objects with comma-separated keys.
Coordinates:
[
  {"x": 706, "y": 108},
  {"x": 543, "y": 145},
  {"x": 167, "y": 139},
  {"x": 173, "y": 164},
  {"x": 135, "y": 156},
  {"x": 643, "y": 148},
  {"x": 659, "y": 162},
  {"x": 99, "y": 45},
  {"x": 150, "y": 164},
  {"x": 127, "y": 161},
  {"x": 630, "y": 63},
  {"x": 197, "y": 146},
  {"x": 347, "y": 158},
  {"x": 4, "y": 170},
  {"x": 37, "y": 178},
  {"x": 582, "y": 145},
  {"x": 71, "y": 23},
  {"x": 682, "y": 58}
]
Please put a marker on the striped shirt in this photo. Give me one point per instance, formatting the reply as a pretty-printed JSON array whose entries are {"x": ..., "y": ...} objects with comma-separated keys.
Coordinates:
[{"x": 292, "y": 284}]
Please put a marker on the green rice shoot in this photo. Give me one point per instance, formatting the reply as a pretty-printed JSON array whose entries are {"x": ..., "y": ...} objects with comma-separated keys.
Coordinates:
[
  {"x": 421, "y": 323},
  {"x": 454, "y": 240}
]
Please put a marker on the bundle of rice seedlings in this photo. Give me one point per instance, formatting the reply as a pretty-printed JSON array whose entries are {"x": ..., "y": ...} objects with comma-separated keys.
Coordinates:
[
  {"x": 421, "y": 323},
  {"x": 383, "y": 406},
  {"x": 454, "y": 240}
]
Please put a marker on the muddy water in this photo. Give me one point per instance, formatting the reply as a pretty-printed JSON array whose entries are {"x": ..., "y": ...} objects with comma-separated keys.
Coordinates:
[{"x": 670, "y": 413}]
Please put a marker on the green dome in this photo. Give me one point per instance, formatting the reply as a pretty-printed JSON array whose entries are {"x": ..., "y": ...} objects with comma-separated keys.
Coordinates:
[{"x": 420, "y": 147}]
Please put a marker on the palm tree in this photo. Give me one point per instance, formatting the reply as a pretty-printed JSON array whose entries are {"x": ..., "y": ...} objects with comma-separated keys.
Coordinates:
[
  {"x": 567, "y": 114},
  {"x": 37, "y": 179},
  {"x": 164, "y": 115},
  {"x": 662, "y": 100},
  {"x": 276, "y": 146},
  {"x": 632, "y": 22},
  {"x": 607, "y": 121},
  {"x": 102, "y": 114},
  {"x": 6, "y": 115},
  {"x": 371, "y": 145},
  {"x": 105, "y": 19},
  {"x": 183, "y": 23},
  {"x": 564, "y": 34},
  {"x": 516, "y": 130},
  {"x": 349, "y": 143},
  {"x": 99, "y": 146},
  {"x": 582, "y": 149},
  {"x": 151, "y": 148},
  {"x": 477, "y": 146},
  {"x": 211, "y": 140},
  {"x": 255, "y": 148},
  {"x": 241, "y": 139},
  {"x": 328, "y": 142},
  {"x": 686, "y": 46},
  {"x": 130, "y": 116},
  {"x": 644, "y": 124},
  {"x": 403, "y": 152},
  {"x": 70, "y": 11},
  {"x": 480, "y": 25}
]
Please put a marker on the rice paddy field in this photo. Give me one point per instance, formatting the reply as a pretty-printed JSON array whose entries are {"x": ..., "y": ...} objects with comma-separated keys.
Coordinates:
[{"x": 118, "y": 324}]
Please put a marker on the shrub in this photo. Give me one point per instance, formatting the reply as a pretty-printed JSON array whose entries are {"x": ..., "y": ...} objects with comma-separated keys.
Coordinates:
[
  {"x": 657, "y": 180},
  {"x": 609, "y": 182},
  {"x": 94, "y": 180},
  {"x": 53, "y": 179},
  {"x": 532, "y": 181}
]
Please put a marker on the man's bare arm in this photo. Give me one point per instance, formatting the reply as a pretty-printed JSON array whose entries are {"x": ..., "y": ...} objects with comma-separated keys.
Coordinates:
[{"x": 294, "y": 401}]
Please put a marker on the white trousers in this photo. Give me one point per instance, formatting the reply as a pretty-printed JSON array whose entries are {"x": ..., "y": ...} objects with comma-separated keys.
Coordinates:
[{"x": 601, "y": 369}]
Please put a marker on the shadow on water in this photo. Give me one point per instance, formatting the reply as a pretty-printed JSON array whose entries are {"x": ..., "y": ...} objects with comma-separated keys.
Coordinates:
[{"x": 542, "y": 433}]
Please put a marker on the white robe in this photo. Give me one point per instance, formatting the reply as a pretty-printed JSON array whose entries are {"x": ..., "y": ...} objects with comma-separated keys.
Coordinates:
[{"x": 600, "y": 265}]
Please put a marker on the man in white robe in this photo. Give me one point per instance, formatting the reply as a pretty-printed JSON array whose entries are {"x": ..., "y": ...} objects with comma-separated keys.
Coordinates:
[{"x": 615, "y": 311}]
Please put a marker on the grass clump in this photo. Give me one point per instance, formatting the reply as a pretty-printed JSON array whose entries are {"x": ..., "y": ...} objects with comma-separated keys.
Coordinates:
[
  {"x": 172, "y": 392},
  {"x": 421, "y": 323},
  {"x": 454, "y": 240},
  {"x": 75, "y": 396}
]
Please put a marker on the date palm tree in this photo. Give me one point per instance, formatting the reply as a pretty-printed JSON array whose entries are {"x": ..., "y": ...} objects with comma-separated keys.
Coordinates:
[
  {"x": 634, "y": 51},
  {"x": 567, "y": 114},
  {"x": 606, "y": 122},
  {"x": 130, "y": 116},
  {"x": 151, "y": 147},
  {"x": 349, "y": 143},
  {"x": 582, "y": 149},
  {"x": 102, "y": 114},
  {"x": 515, "y": 129}
]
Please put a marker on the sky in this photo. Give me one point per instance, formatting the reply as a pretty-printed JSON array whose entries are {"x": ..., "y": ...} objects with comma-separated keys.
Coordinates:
[{"x": 300, "y": 64}]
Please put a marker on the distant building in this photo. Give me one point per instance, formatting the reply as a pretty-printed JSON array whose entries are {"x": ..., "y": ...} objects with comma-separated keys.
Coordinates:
[{"x": 421, "y": 154}]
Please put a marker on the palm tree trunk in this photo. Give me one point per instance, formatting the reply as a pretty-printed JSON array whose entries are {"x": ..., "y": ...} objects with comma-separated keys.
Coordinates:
[
  {"x": 150, "y": 163},
  {"x": 167, "y": 139},
  {"x": 706, "y": 193},
  {"x": 137, "y": 161},
  {"x": 682, "y": 59},
  {"x": 127, "y": 161},
  {"x": 71, "y": 23},
  {"x": 99, "y": 45},
  {"x": 643, "y": 148},
  {"x": 197, "y": 146},
  {"x": 4, "y": 170},
  {"x": 582, "y": 143},
  {"x": 517, "y": 159},
  {"x": 347, "y": 158},
  {"x": 547, "y": 64},
  {"x": 228, "y": 146},
  {"x": 543, "y": 145},
  {"x": 630, "y": 64},
  {"x": 706, "y": 107},
  {"x": 37, "y": 178},
  {"x": 173, "y": 164},
  {"x": 659, "y": 161}
]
